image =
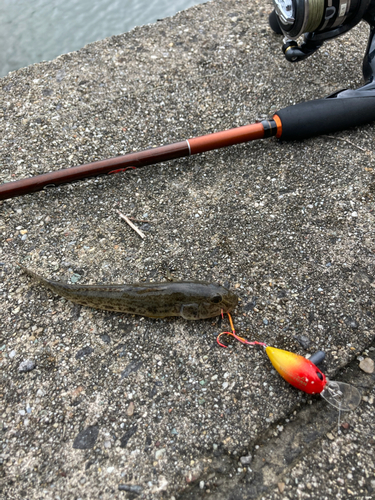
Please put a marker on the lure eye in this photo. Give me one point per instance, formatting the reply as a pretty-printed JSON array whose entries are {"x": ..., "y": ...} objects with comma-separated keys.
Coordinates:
[
  {"x": 319, "y": 375},
  {"x": 216, "y": 299}
]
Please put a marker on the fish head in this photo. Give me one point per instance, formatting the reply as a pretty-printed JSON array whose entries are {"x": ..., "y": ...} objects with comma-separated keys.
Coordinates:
[{"x": 219, "y": 300}]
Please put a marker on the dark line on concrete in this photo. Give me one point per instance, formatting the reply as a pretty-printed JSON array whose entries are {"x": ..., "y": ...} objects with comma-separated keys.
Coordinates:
[{"x": 275, "y": 452}]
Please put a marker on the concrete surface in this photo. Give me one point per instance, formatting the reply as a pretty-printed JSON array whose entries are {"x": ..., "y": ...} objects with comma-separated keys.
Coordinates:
[{"x": 156, "y": 405}]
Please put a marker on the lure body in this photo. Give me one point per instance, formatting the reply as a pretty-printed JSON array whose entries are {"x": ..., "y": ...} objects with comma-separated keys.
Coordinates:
[
  {"x": 190, "y": 300},
  {"x": 297, "y": 370}
]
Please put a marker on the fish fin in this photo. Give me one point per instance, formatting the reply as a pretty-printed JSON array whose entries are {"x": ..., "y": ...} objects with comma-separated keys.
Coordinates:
[{"x": 189, "y": 311}]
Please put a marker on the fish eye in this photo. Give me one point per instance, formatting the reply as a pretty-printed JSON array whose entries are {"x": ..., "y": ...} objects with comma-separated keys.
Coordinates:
[
  {"x": 216, "y": 299},
  {"x": 319, "y": 375}
]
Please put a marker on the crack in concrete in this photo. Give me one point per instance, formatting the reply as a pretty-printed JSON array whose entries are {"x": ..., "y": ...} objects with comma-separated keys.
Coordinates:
[{"x": 282, "y": 446}]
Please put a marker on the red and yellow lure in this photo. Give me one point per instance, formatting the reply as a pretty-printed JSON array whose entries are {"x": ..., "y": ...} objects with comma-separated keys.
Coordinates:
[{"x": 304, "y": 375}]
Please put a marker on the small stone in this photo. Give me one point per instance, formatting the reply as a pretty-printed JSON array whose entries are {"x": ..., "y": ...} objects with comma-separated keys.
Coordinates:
[
  {"x": 159, "y": 453},
  {"x": 128, "y": 434},
  {"x": 85, "y": 351},
  {"x": 107, "y": 444},
  {"x": 246, "y": 460},
  {"x": 281, "y": 487},
  {"x": 110, "y": 470},
  {"x": 86, "y": 438},
  {"x": 265, "y": 321},
  {"x": 75, "y": 277},
  {"x": 12, "y": 354},
  {"x": 354, "y": 214},
  {"x": 201, "y": 485},
  {"x": 330, "y": 436},
  {"x": 130, "y": 409},
  {"x": 106, "y": 338},
  {"x": 132, "y": 367},
  {"x": 131, "y": 488},
  {"x": 26, "y": 366},
  {"x": 367, "y": 365},
  {"x": 303, "y": 340}
]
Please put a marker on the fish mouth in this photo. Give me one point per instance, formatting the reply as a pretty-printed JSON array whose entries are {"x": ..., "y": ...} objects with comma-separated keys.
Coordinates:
[{"x": 229, "y": 303}]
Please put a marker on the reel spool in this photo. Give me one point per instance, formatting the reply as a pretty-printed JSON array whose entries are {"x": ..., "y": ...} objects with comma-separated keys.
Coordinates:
[{"x": 318, "y": 21}]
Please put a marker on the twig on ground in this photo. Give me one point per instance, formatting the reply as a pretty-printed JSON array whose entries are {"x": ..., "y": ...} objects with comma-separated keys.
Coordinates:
[
  {"x": 140, "y": 220},
  {"x": 347, "y": 140},
  {"x": 126, "y": 219}
]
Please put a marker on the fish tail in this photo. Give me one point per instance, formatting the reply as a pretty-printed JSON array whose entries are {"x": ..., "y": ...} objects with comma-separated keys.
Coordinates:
[{"x": 33, "y": 275}]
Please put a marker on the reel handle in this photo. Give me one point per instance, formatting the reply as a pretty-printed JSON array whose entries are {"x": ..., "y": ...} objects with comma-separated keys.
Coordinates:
[{"x": 325, "y": 116}]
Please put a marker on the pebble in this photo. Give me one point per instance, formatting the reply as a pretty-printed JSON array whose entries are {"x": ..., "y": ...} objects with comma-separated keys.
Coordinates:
[
  {"x": 131, "y": 488},
  {"x": 75, "y": 277},
  {"x": 303, "y": 340},
  {"x": 159, "y": 453},
  {"x": 85, "y": 351},
  {"x": 26, "y": 366},
  {"x": 130, "y": 409},
  {"x": 86, "y": 438},
  {"x": 106, "y": 338},
  {"x": 367, "y": 365},
  {"x": 12, "y": 354},
  {"x": 132, "y": 367},
  {"x": 246, "y": 460},
  {"x": 281, "y": 487}
]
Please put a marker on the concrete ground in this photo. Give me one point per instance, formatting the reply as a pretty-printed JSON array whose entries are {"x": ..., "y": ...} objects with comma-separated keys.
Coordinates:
[{"x": 156, "y": 407}]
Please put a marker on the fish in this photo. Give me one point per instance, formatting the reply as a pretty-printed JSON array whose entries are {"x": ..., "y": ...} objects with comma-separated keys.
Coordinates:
[
  {"x": 191, "y": 300},
  {"x": 297, "y": 370}
]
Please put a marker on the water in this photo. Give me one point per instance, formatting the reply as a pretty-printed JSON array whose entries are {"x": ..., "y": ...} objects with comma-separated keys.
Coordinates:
[{"x": 38, "y": 30}]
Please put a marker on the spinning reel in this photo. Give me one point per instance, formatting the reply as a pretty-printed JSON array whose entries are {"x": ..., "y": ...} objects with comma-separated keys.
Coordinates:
[{"x": 321, "y": 20}]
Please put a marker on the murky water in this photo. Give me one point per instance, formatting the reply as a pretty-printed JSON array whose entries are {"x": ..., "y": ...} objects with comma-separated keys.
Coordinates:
[{"x": 36, "y": 30}]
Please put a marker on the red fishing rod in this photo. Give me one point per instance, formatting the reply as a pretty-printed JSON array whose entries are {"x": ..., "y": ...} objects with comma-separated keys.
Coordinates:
[
  {"x": 339, "y": 111},
  {"x": 300, "y": 121}
]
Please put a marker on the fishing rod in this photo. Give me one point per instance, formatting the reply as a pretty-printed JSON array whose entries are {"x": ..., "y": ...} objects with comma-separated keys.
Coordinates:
[{"x": 320, "y": 20}]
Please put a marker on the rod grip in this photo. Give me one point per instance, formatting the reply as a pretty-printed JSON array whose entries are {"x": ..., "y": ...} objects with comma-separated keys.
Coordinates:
[{"x": 324, "y": 116}]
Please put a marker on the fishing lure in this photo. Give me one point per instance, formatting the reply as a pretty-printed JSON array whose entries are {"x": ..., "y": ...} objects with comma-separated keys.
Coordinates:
[{"x": 304, "y": 375}]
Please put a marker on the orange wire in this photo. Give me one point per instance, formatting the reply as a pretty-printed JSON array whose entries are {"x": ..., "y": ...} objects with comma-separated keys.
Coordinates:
[{"x": 237, "y": 337}]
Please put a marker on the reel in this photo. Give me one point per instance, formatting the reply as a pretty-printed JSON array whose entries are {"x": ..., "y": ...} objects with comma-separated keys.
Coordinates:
[{"x": 321, "y": 20}]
